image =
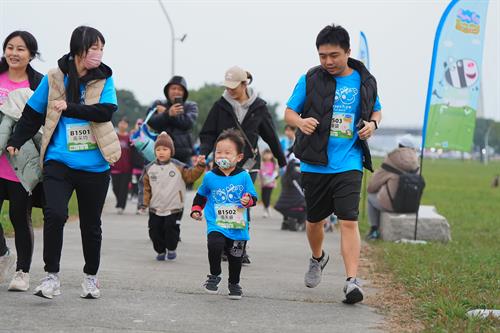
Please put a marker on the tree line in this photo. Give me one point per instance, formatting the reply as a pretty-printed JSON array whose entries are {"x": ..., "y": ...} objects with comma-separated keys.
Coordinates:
[{"x": 206, "y": 96}]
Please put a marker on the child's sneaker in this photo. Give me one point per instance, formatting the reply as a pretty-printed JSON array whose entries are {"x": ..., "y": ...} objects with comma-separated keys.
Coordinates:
[
  {"x": 235, "y": 291},
  {"x": 50, "y": 286},
  {"x": 353, "y": 292},
  {"x": 90, "y": 287},
  {"x": 246, "y": 259},
  {"x": 171, "y": 255},
  {"x": 161, "y": 256},
  {"x": 212, "y": 284},
  {"x": 20, "y": 282},
  {"x": 6, "y": 262}
]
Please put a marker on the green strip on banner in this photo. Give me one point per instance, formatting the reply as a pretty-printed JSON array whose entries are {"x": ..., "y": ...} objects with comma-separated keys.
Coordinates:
[{"x": 450, "y": 128}]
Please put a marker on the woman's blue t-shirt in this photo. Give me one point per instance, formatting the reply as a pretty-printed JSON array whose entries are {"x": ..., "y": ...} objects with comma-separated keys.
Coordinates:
[{"x": 58, "y": 150}]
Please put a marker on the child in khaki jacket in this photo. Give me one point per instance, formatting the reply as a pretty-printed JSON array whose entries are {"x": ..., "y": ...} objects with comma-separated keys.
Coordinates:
[{"x": 164, "y": 192}]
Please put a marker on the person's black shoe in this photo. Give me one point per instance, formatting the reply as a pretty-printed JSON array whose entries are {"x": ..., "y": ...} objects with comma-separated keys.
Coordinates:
[
  {"x": 293, "y": 224},
  {"x": 373, "y": 234},
  {"x": 246, "y": 259},
  {"x": 212, "y": 284},
  {"x": 235, "y": 291},
  {"x": 284, "y": 225}
]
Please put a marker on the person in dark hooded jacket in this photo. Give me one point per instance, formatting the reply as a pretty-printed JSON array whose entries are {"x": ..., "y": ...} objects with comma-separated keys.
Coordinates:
[{"x": 176, "y": 116}]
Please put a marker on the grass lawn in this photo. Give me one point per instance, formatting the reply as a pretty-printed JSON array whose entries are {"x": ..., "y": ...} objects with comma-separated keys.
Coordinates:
[
  {"x": 37, "y": 216},
  {"x": 447, "y": 280}
]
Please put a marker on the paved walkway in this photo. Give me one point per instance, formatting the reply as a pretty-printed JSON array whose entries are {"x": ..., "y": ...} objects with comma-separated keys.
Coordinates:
[{"x": 140, "y": 294}]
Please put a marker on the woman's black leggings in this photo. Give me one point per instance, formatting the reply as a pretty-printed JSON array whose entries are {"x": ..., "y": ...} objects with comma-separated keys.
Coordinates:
[
  {"x": 20, "y": 217},
  {"x": 120, "y": 183},
  {"x": 59, "y": 182},
  {"x": 266, "y": 196},
  {"x": 234, "y": 250}
]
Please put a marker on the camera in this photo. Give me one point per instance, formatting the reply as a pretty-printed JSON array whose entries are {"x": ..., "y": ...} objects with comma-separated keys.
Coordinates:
[{"x": 179, "y": 100}]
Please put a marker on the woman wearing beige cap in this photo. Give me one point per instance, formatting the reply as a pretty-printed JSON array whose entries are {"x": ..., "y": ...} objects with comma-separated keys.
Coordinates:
[{"x": 240, "y": 108}]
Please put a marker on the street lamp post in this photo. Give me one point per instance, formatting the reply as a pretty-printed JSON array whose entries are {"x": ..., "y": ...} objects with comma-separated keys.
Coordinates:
[{"x": 172, "y": 35}]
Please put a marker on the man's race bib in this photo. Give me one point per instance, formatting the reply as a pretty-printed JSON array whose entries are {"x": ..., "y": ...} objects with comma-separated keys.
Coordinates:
[
  {"x": 230, "y": 216},
  {"x": 80, "y": 137},
  {"x": 342, "y": 125}
]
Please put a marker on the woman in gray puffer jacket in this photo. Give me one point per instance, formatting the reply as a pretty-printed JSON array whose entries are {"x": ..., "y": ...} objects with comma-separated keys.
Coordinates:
[
  {"x": 22, "y": 194},
  {"x": 19, "y": 175}
]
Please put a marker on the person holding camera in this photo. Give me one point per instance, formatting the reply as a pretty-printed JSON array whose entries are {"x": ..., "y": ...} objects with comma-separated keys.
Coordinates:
[{"x": 176, "y": 116}]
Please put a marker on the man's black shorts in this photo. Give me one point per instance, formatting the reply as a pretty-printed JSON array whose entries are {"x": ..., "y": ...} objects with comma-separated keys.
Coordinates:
[{"x": 332, "y": 193}]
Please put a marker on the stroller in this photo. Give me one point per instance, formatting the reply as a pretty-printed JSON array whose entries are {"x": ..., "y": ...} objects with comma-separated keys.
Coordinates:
[{"x": 291, "y": 202}]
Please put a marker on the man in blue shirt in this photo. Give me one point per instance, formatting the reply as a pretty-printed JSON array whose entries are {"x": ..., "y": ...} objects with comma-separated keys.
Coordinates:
[{"x": 336, "y": 108}]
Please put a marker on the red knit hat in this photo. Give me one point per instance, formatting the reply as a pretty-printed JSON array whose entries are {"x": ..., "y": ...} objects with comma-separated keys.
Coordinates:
[{"x": 165, "y": 140}]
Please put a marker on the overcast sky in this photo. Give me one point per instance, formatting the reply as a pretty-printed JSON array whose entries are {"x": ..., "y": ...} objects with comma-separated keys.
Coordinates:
[{"x": 274, "y": 40}]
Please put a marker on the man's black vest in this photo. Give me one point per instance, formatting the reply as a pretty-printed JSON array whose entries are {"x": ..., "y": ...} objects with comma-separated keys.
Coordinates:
[{"x": 320, "y": 93}]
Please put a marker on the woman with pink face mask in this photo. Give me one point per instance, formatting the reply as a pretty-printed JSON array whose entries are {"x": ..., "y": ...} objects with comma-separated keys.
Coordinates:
[{"x": 75, "y": 103}]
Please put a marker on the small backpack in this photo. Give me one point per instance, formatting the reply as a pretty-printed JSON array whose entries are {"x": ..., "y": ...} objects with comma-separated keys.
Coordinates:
[{"x": 410, "y": 188}]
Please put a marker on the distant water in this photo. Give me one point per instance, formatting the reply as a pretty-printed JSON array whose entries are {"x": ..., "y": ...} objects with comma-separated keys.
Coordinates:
[{"x": 382, "y": 144}]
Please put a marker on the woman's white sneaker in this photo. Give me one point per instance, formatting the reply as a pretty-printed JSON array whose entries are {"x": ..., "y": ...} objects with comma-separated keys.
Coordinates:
[
  {"x": 7, "y": 261},
  {"x": 20, "y": 281},
  {"x": 90, "y": 287},
  {"x": 50, "y": 286}
]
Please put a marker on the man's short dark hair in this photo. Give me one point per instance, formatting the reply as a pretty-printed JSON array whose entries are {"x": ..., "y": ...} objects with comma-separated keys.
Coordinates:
[
  {"x": 334, "y": 35},
  {"x": 293, "y": 128},
  {"x": 233, "y": 135}
]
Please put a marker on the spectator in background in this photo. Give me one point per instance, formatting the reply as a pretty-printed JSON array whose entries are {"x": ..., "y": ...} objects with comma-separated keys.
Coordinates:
[
  {"x": 176, "y": 116},
  {"x": 288, "y": 140},
  {"x": 121, "y": 171},
  {"x": 240, "y": 106},
  {"x": 403, "y": 158},
  {"x": 137, "y": 161},
  {"x": 267, "y": 176}
]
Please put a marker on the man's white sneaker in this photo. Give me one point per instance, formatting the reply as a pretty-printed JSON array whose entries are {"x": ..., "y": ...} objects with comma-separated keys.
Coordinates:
[
  {"x": 20, "y": 281},
  {"x": 50, "y": 286},
  {"x": 90, "y": 287}
]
